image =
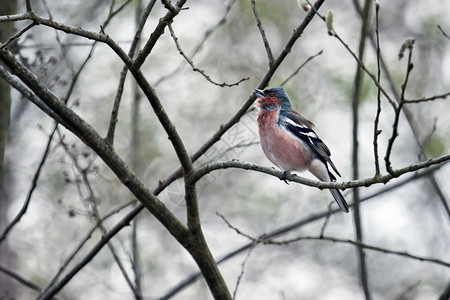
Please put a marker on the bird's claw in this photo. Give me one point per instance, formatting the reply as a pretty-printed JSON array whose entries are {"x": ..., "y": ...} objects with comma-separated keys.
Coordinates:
[{"x": 283, "y": 177}]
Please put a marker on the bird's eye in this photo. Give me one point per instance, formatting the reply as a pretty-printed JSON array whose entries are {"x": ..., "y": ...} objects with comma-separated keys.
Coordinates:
[{"x": 271, "y": 95}]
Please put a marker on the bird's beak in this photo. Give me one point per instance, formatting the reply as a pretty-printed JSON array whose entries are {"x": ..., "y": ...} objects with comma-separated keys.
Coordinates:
[{"x": 259, "y": 93}]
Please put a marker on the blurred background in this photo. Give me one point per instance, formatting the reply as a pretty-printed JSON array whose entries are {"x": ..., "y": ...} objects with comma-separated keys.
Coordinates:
[{"x": 60, "y": 213}]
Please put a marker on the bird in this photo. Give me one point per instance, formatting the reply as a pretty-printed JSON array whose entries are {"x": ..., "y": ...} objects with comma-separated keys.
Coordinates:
[{"x": 289, "y": 141}]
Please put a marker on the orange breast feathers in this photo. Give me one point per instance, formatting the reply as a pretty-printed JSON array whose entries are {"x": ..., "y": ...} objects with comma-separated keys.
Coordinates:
[{"x": 281, "y": 148}]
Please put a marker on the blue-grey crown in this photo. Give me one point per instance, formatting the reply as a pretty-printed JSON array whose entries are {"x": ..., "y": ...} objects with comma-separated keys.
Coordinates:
[{"x": 286, "y": 103}]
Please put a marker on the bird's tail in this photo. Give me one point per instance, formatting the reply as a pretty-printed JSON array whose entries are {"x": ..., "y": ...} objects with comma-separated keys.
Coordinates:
[{"x": 339, "y": 200}]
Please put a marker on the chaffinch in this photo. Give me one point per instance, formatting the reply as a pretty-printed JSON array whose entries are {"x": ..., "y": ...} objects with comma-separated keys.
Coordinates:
[{"x": 289, "y": 141}]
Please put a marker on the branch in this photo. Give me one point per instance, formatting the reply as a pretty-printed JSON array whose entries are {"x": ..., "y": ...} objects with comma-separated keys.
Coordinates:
[
  {"x": 263, "y": 239},
  {"x": 301, "y": 66},
  {"x": 100, "y": 37},
  {"x": 409, "y": 45},
  {"x": 159, "y": 30},
  {"x": 376, "y": 131},
  {"x": 92, "y": 208},
  {"x": 194, "y": 68},
  {"x": 18, "y": 35},
  {"x": 27, "y": 93},
  {"x": 20, "y": 279},
  {"x": 363, "y": 272},
  {"x": 201, "y": 42},
  {"x": 80, "y": 246},
  {"x": 425, "y": 99},
  {"x": 123, "y": 74},
  {"x": 263, "y": 34},
  {"x": 358, "y": 244},
  {"x": 289, "y": 228},
  {"x": 24, "y": 208},
  {"x": 443, "y": 32},
  {"x": 202, "y": 171}
]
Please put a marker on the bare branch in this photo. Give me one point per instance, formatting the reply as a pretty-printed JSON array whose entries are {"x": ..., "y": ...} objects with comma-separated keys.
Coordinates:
[
  {"x": 202, "y": 171},
  {"x": 443, "y": 32},
  {"x": 28, "y": 4},
  {"x": 20, "y": 279},
  {"x": 426, "y": 99},
  {"x": 17, "y": 35},
  {"x": 394, "y": 135},
  {"x": 27, "y": 93},
  {"x": 24, "y": 208},
  {"x": 268, "y": 241},
  {"x": 295, "y": 225},
  {"x": 194, "y": 68},
  {"x": 376, "y": 131},
  {"x": 100, "y": 37},
  {"x": 159, "y": 30},
  {"x": 363, "y": 245},
  {"x": 123, "y": 74},
  {"x": 92, "y": 207},
  {"x": 301, "y": 66},
  {"x": 82, "y": 242},
  {"x": 200, "y": 43},
  {"x": 263, "y": 34}
]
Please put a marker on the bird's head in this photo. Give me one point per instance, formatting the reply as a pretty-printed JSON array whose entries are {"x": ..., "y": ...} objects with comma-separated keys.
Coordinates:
[{"x": 273, "y": 99}]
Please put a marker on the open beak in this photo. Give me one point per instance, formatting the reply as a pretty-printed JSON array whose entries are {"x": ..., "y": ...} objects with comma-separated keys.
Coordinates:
[{"x": 258, "y": 93}]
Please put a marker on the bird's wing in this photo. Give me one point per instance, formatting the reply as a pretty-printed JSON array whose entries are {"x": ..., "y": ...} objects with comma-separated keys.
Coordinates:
[{"x": 301, "y": 128}]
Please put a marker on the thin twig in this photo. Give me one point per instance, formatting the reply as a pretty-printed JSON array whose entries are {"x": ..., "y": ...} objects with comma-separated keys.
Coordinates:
[
  {"x": 263, "y": 34},
  {"x": 398, "y": 110},
  {"x": 92, "y": 205},
  {"x": 363, "y": 245},
  {"x": 17, "y": 35},
  {"x": 25, "y": 205},
  {"x": 326, "y": 220},
  {"x": 263, "y": 239},
  {"x": 241, "y": 274},
  {"x": 156, "y": 34},
  {"x": 194, "y": 68},
  {"x": 301, "y": 66},
  {"x": 200, "y": 43},
  {"x": 20, "y": 279},
  {"x": 123, "y": 74},
  {"x": 81, "y": 244},
  {"x": 426, "y": 99},
  {"x": 376, "y": 131},
  {"x": 443, "y": 32}
]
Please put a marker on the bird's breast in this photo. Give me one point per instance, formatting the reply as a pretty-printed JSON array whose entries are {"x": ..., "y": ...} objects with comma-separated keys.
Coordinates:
[{"x": 281, "y": 147}]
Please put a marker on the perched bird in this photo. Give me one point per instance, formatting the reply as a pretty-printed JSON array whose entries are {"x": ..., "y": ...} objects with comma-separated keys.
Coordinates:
[{"x": 289, "y": 141}]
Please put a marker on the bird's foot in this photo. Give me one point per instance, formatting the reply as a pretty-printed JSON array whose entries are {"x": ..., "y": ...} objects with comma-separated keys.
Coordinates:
[{"x": 283, "y": 177}]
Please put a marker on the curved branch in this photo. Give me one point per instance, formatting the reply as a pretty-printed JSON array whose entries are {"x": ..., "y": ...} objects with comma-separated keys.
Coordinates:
[
  {"x": 199, "y": 173},
  {"x": 91, "y": 35}
]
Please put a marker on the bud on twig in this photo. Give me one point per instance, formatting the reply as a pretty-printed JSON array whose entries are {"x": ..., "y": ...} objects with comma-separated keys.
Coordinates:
[
  {"x": 407, "y": 44},
  {"x": 329, "y": 22},
  {"x": 304, "y": 4}
]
